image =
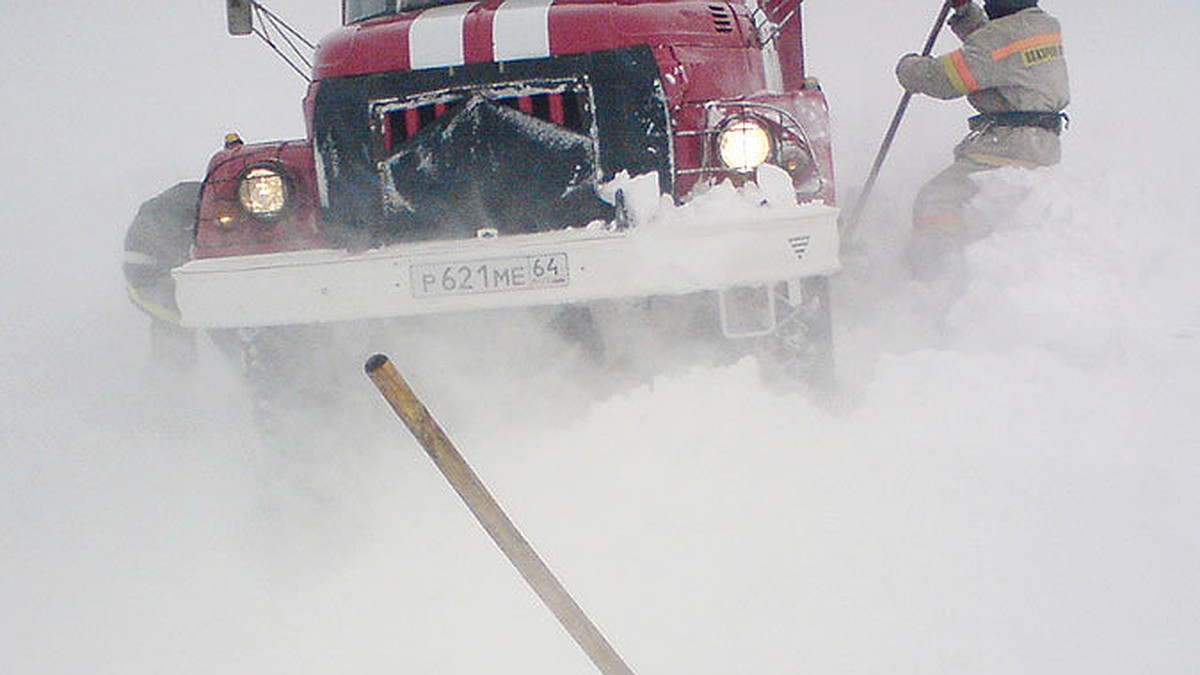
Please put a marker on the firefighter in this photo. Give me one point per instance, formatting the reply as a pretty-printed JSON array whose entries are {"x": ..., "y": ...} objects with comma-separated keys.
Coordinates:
[
  {"x": 160, "y": 239},
  {"x": 1011, "y": 70}
]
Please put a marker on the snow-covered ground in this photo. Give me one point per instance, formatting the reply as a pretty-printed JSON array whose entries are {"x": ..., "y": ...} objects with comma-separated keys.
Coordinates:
[{"x": 1011, "y": 484}]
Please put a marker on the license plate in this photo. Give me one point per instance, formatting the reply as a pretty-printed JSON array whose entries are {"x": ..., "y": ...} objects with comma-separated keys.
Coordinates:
[{"x": 490, "y": 276}]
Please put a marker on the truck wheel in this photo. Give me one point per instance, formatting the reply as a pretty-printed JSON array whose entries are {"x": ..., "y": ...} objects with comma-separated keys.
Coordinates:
[
  {"x": 800, "y": 349},
  {"x": 307, "y": 389},
  {"x": 159, "y": 239},
  {"x": 284, "y": 386},
  {"x": 577, "y": 325}
]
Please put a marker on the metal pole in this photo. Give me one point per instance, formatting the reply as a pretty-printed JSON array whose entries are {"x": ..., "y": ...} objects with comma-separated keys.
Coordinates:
[
  {"x": 493, "y": 519},
  {"x": 851, "y": 223}
]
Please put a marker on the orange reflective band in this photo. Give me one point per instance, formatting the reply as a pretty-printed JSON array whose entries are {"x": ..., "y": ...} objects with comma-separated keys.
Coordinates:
[
  {"x": 955, "y": 65},
  {"x": 1035, "y": 42},
  {"x": 945, "y": 222}
]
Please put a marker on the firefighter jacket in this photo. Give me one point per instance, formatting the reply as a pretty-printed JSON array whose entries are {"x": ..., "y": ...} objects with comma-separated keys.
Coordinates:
[{"x": 1008, "y": 65}]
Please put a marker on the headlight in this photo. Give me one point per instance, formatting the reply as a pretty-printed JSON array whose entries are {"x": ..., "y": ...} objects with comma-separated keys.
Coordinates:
[
  {"x": 263, "y": 192},
  {"x": 744, "y": 144}
]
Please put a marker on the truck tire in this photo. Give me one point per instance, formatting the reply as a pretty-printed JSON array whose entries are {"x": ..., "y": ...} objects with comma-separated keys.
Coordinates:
[
  {"x": 284, "y": 389},
  {"x": 307, "y": 391}
]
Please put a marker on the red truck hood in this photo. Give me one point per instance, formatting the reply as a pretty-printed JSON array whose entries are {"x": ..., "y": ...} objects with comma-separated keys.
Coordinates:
[{"x": 498, "y": 31}]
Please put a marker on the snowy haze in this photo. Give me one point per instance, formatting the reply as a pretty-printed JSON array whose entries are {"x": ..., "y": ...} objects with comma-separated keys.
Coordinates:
[{"x": 1010, "y": 485}]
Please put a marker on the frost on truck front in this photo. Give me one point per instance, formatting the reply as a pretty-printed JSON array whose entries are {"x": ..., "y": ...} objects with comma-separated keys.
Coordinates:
[
  {"x": 505, "y": 148},
  {"x": 509, "y": 153}
]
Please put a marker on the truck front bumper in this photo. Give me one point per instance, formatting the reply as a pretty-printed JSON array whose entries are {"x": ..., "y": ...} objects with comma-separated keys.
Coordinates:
[{"x": 549, "y": 268}]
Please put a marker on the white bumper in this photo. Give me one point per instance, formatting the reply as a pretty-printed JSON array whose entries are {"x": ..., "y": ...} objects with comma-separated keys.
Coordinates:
[{"x": 538, "y": 269}]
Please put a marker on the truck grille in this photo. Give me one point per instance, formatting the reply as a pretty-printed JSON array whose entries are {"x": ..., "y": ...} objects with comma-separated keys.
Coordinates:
[
  {"x": 566, "y": 108},
  {"x": 512, "y": 148}
]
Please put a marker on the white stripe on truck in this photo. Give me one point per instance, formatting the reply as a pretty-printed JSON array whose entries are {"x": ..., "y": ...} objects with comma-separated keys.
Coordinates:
[
  {"x": 521, "y": 30},
  {"x": 436, "y": 37}
]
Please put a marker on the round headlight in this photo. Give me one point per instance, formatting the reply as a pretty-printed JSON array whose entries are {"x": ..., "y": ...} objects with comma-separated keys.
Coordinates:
[
  {"x": 263, "y": 192},
  {"x": 744, "y": 144}
]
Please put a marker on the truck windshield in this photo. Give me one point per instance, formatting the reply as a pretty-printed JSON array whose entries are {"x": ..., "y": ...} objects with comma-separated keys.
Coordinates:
[{"x": 354, "y": 11}]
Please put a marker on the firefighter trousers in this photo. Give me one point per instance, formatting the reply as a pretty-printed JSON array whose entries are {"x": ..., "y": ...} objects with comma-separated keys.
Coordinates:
[{"x": 939, "y": 209}]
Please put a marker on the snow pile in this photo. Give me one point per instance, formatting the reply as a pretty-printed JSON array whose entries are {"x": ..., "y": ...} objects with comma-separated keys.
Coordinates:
[
  {"x": 771, "y": 192},
  {"x": 1012, "y": 489}
]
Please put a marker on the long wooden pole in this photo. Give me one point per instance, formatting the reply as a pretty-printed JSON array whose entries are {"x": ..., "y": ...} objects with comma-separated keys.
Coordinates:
[
  {"x": 493, "y": 519},
  {"x": 849, "y": 225}
]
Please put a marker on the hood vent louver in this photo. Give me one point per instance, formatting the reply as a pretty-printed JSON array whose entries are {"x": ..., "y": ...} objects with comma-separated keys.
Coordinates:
[{"x": 722, "y": 18}]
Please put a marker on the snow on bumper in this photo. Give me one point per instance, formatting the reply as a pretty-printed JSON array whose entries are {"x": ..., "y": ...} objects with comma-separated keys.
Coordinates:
[{"x": 492, "y": 273}]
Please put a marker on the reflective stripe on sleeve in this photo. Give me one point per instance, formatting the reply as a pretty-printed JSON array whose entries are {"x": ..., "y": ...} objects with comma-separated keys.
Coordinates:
[
  {"x": 1035, "y": 42},
  {"x": 959, "y": 73}
]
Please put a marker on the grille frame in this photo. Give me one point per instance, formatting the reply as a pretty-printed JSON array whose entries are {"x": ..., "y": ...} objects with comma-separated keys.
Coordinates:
[{"x": 568, "y": 103}]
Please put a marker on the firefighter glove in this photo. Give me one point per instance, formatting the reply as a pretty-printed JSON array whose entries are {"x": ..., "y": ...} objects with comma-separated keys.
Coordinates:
[{"x": 906, "y": 71}]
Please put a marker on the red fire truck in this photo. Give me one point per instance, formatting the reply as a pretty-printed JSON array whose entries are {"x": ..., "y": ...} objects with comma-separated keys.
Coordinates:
[{"x": 495, "y": 154}]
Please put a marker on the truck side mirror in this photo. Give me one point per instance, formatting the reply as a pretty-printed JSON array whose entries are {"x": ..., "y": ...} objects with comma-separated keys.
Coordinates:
[{"x": 241, "y": 22}]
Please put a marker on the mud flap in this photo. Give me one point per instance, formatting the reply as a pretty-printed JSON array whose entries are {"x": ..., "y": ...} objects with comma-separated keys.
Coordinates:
[
  {"x": 799, "y": 348},
  {"x": 747, "y": 311}
]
